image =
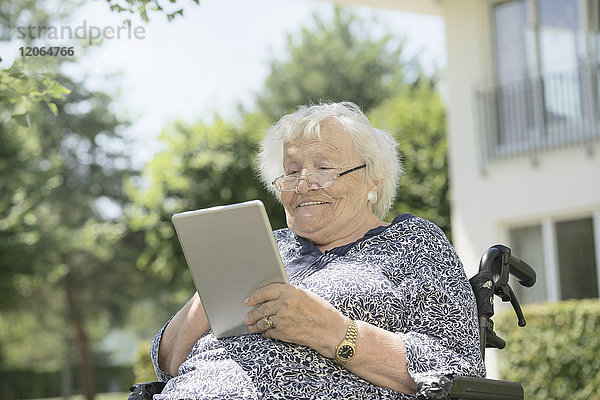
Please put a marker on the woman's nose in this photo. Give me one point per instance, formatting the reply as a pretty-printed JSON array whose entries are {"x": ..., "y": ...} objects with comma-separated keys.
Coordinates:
[{"x": 303, "y": 186}]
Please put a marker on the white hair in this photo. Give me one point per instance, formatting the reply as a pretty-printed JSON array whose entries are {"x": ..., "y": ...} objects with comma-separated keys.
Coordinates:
[{"x": 375, "y": 147}]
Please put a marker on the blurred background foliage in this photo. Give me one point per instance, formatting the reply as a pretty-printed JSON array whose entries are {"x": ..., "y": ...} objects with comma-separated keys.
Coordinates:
[
  {"x": 415, "y": 117},
  {"x": 145, "y": 8},
  {"x": 337, "y": 60},
  {"x": 87, "y": 248},
  {"x": 556, "y": 357},
  {"x": 143, "y": 369}
]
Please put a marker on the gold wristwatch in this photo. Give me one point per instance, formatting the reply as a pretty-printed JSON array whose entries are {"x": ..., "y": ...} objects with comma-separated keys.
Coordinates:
[{"x": 346, "y": 350}]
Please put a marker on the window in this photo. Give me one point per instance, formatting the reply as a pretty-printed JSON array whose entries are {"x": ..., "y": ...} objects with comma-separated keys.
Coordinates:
[
  {"x": 576, "y": 259},
  {"x": 514, "y": 97},
  {"x": 560, "y": 50},
  {"x": 510, "y": 24},
  {"x": 563, "y": 256},
  {"x": 527, "y": 245},
  {"x": 546, "y": 83}
]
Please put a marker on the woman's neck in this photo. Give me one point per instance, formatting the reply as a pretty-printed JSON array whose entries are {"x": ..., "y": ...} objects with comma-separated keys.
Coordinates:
[{"x": 353, "y": 236}]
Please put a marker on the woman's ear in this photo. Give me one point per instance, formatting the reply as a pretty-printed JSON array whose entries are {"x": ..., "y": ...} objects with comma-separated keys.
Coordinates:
[
  {"x": 372, "y": 195},
  {"x": 377, "y": 185}
]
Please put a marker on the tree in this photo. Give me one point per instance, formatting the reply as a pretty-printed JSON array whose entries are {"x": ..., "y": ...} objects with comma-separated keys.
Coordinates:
[
  {"x": 202, "y": 166},
  {"x": 335, "y": 60},
  {"x": 62, "y": 258},
  {"x": 341, "y": 60},
  {"x": 211, "y": 164},
  {"x": 416, "y": 118},
  {"x": 27, "y": 97},
  {"x": 169, "y": 8},
  {"x": 60, "y": 251}
]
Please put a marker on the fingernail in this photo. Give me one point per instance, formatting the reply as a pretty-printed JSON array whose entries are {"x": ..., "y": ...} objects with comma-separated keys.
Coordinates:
[{"x": 246, "y": 300}]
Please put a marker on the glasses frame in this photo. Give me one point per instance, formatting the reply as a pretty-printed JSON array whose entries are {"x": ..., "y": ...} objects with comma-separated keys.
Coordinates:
[{"x": 305, "y": 177}]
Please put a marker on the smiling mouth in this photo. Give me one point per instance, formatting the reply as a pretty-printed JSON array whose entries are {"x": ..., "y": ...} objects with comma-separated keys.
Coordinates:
[{"x": 311, "y": 203}]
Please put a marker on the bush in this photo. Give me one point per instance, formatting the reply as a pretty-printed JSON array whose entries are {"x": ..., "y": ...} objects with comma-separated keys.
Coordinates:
[
  {"x": 555, "y": 356},
  {"x": 142, "y": 364},
  {"x": 29, "y": 384},
  {"x": 115, "y": 378}
]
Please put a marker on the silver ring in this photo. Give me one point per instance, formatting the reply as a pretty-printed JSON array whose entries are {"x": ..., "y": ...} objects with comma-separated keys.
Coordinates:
[{"x": 267, "y": 323}]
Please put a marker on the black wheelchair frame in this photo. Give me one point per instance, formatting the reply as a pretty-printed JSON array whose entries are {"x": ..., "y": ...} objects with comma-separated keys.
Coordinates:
[{"x": 495, "y": 267}]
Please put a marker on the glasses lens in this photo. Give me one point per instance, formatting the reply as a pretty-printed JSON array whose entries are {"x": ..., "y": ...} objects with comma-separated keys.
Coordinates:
[
  {"x": 315, "y": 181},
  {"x": 320, "y": 180},
  {"x": 287, "y": 183}
]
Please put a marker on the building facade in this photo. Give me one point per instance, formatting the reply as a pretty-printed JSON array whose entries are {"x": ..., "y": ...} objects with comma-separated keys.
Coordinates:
[{"x": 524, "y": 76}]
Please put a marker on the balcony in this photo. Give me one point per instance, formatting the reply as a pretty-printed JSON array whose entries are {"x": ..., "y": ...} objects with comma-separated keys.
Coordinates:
[{"x": 534, "y": 114}]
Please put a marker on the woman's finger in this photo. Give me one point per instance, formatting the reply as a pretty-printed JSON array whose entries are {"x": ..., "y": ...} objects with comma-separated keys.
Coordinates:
[
  {"x": 265, "y": 293},
  {"x": 260, "y": 326},
  {"x": 264, "y": 310}
]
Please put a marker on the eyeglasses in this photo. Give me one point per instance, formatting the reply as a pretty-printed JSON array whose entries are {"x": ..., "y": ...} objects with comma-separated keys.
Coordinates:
[{"x": 316, "y": 180}]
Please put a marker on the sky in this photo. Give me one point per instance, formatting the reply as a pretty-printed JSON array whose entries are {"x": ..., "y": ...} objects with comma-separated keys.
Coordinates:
[{"x": 210, "y": 60}]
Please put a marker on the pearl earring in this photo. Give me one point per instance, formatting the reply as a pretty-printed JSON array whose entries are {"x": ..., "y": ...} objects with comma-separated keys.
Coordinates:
[{"x": 372, "y": 196}]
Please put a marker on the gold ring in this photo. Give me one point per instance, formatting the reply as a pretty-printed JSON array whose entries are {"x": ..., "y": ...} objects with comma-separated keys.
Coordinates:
[{"x": 267, "y": 323}]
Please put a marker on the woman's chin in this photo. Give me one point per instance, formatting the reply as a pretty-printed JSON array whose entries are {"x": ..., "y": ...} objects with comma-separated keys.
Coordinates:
[{"x": 307, "y": 227}]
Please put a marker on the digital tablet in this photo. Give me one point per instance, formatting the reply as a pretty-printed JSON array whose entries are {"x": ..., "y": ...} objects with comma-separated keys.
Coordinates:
[{"x": 230, "y": 251}]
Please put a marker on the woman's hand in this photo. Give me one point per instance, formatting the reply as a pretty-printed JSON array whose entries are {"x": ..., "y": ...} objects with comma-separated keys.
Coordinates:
[{"x": 298, "y": 316}]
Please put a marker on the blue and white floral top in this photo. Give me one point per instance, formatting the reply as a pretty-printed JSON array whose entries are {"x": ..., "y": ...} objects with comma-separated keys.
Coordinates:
[{"x": 405, "y": 278}]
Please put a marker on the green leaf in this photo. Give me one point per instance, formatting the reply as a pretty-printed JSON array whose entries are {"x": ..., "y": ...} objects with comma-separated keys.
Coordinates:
[
  {"x": 56, "y": 90},
  {"x": 22, "y": 120},
  {"x": 53, "y": 108},
  {"x": 21, "y": 108}
]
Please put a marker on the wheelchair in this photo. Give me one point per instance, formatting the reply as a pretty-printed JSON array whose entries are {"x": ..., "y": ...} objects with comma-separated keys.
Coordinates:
[{"x": 495, "y": 267}]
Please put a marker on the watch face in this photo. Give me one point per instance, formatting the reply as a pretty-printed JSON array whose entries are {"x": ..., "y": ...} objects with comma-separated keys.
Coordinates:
[{"x": 346, "y": 352}]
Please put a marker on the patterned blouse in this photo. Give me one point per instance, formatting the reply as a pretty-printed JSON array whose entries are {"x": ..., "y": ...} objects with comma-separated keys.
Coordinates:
[{"x": 405, "y": 278}]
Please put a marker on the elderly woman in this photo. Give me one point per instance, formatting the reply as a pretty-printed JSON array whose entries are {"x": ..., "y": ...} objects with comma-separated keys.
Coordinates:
[{"x": 371, "y": 308}]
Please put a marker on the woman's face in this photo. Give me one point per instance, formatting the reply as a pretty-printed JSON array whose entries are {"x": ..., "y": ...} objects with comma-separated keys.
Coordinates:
[{"x": 330, "y": 214}]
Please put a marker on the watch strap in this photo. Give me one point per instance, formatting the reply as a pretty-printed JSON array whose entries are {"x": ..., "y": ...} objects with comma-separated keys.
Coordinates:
[
  {"x": 349, "y": 340},
  {"x": 352, "y": 332}
]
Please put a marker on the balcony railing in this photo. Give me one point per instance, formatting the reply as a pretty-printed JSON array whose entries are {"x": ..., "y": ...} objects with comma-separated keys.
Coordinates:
[{"x": 535, "y": 114}]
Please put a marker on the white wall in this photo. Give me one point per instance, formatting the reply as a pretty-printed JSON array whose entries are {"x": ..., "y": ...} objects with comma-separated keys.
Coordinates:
[{"x": 466, "y": 41}]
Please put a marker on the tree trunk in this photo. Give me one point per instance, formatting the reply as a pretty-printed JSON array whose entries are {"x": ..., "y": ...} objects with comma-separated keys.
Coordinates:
[
  {"x": 86, "y": 372},
  {"x": 65, "y": 379}
]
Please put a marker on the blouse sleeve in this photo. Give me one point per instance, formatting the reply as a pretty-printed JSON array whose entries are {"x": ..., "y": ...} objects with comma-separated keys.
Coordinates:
[
  {"x": 160, "y": 374},
  {"x": 438, "y": 308}
]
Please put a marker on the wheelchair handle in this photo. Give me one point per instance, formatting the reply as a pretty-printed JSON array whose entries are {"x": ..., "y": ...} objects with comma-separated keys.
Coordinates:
[
  {"x": 499, "y": 261},
  {"x": 522, "y": 271},
  {"x": 516, "y": 267}
]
